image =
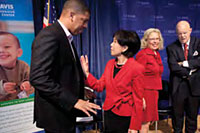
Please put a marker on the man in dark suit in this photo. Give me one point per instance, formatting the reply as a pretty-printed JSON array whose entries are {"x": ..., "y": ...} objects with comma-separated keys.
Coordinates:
[
  {"x": 184, "y": 65},
  {"x": 56, "y": 72}
]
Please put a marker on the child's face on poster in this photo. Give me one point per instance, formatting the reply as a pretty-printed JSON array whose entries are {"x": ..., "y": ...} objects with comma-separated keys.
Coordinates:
[{"x": 9, "y": 51}]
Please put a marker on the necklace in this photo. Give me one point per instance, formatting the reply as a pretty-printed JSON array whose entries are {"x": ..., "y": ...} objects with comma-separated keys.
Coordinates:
[{"x": 118, "y": 66}]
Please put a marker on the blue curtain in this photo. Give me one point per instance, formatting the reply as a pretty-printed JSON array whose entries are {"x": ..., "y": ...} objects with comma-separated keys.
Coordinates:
[{"x": 107, "y": 16}]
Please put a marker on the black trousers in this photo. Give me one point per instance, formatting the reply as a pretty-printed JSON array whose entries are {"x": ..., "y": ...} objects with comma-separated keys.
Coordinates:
[
  {"x": 114, "y": 123},
  {"x": 184, "y": 102}
]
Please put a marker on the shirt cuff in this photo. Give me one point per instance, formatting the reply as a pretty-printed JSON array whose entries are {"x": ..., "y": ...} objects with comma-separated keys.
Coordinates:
[
  {"x": 185, "y": 63},
  {"x": 191, "y": 71}
]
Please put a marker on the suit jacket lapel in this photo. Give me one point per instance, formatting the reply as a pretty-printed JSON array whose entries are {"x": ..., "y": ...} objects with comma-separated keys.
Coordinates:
[
  {"x": 123, "y": 71},
  {"x": 191, "y": 48},
  {"x": 114, "y": 80},
  {"x": 65, "y": 42},
  {"x": 180, "y": 51},
  {"x": 68, "y": 53},
  {"x": 79, "y": 69},
  {"x": 77, "y": 59},
  {"x": 75, "y": 52}
]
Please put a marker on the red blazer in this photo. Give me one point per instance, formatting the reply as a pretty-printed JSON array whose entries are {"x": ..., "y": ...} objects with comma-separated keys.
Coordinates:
[
  {"x": 124, "y": 92},
  {"x": 153, "y": 68}
]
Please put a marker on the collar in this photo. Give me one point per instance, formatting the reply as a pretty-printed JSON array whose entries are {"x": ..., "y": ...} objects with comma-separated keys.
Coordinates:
[
  {"x": 149, "y": 51},
  {"x": 68, "y": 34},
  {"x": 188, "y": 42}
]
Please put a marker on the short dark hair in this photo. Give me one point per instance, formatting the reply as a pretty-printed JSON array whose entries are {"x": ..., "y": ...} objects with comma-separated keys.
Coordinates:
[
  {"x": 130, "y": 39},
  {"x": 79, "y": 6},
  {"x": 2, "y": 33}
]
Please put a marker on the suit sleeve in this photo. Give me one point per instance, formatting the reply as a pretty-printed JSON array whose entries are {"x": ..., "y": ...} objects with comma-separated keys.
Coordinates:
[
  {"x": 142, "y": 59},
  {"x": 97, "y": 85},
  {"x": 137, "y": 91},
  {"x": 173, "y": 64},
  {"x": 194, "y": 62},
  {"x": 44, "y": 53}
]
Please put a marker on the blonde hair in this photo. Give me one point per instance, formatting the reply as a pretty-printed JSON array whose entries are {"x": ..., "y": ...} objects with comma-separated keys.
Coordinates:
[{"x": 146, "y": 36}]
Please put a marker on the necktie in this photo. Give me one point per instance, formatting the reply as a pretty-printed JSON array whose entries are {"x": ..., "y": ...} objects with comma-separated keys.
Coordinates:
[
  {"x": 185, "y": 51},
  {"x": 70, "y": 38}
]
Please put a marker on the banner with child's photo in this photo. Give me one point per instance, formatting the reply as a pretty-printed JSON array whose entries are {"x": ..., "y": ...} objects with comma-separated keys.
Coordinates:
[{"x": 16, "y": 93}]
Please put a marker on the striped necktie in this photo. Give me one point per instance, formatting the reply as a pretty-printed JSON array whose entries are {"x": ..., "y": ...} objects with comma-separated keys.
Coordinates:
[{"x": 185, "y": 51}]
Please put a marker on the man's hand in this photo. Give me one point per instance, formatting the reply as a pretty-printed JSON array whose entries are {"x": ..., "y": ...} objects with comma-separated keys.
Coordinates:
[
  {"x": 86, "y": 106},
  {"x": 180, "y": 63},
  {"x": 9, "y": 87}
]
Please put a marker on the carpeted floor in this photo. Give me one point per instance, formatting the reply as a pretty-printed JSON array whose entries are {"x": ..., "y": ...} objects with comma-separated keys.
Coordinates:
[{"x": 164, "y": 126}]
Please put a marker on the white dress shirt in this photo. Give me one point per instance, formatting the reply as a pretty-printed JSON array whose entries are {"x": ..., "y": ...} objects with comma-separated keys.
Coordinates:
[{"x": 69, "y": 37}]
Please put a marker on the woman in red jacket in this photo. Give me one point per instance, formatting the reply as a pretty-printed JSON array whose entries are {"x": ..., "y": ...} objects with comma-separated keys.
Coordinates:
[
  {"x": 123, "y": 83},
  {"x": 149, "y": 57}
]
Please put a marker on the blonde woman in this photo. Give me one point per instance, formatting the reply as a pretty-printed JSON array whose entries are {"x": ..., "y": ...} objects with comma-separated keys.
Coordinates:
[{"x": 149, "y": 57}]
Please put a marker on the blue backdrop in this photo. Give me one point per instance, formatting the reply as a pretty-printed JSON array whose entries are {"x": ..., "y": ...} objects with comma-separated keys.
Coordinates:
[{"x": 107, "y": 16}]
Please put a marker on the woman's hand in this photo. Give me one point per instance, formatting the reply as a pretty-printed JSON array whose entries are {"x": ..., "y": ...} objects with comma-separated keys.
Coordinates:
[
  {"x": 144, "y": 104},
  {"x": 84, "y": 64}
]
